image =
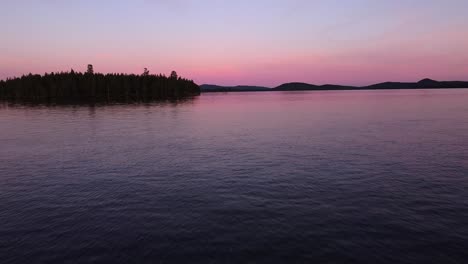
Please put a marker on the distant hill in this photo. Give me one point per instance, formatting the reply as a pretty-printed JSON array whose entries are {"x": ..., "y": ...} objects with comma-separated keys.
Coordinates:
[
  {"x": 239, "y": 88},
  {"x": 295, "y": 86},
  {"x": 298, "y": 86},
  {"x": 423, "y": 84},
  {"x": 309, "y": 87}
]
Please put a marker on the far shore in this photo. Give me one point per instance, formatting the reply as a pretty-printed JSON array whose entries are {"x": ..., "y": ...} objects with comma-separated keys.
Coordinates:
[{"x": 298, "y": 86}]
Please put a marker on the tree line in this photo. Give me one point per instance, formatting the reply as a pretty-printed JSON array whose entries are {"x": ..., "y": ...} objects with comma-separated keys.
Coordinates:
[{"x": 96, "y": 87}]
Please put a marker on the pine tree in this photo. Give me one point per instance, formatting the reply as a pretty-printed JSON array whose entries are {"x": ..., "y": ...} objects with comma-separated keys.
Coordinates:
[{"x": 90, "y": 69}]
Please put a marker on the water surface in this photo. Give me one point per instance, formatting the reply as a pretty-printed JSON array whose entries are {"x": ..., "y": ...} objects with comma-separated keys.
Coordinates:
[{"x": 303, "y": 177}]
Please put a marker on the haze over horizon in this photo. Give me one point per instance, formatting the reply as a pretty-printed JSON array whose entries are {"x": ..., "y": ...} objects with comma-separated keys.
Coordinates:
[{"x": 264, "y": 43}]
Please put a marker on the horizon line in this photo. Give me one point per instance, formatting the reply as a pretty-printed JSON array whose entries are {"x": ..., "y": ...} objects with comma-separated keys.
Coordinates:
[
  {"x": 236, "y": 85},
  {"x": 357, "y": 86}
]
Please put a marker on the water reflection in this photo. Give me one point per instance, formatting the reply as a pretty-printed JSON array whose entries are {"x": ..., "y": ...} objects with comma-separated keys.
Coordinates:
[{"x": 327, "y": 177}]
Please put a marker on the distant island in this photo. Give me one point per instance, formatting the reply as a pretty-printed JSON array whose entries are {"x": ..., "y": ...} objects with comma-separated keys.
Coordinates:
[
  {"x": 297, "y": 86},
  {"x": 77, "y": 87}
]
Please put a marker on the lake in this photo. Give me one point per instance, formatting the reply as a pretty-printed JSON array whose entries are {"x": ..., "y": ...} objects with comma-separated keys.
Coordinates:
[{"x": 260, "y": 177}]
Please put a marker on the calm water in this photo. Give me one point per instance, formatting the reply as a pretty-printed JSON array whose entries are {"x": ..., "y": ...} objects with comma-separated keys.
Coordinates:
[{"x": 331, "y": 177}]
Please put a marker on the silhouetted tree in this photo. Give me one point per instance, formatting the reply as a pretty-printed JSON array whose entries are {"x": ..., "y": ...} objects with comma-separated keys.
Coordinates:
[
  {"x": 90, "y": 69},
  {"x": 145, "y": 72},
  {"x": 90, "y": 86}
]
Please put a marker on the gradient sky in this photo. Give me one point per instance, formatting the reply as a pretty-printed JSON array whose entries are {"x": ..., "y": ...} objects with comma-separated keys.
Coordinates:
[{"x": 256, "y": 42}]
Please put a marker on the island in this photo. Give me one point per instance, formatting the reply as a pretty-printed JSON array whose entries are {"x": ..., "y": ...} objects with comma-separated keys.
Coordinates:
[{"x": 77, "y": 87}]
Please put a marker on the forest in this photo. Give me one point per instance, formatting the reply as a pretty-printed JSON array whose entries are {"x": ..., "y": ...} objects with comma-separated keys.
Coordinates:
[{"x": 71, "y": 87}]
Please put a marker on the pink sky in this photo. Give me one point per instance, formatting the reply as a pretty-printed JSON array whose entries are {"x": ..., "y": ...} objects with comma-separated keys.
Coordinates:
[{"x": 229, "y": 43}]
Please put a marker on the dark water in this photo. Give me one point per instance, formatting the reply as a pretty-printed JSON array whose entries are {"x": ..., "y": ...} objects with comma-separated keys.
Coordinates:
[{"x": 300, "y": 177}]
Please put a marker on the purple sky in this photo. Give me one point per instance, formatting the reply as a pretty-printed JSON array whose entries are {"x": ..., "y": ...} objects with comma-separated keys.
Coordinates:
[{"x": 263, "y": 42}]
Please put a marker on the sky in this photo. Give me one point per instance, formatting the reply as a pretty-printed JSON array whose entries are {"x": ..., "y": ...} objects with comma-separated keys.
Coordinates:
[{"x": 242, "y": 42}]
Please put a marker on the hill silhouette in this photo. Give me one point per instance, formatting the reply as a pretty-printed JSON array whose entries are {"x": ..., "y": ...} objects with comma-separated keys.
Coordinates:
[
  {"x": 96, "y": 87},
  {"x": 298, "y": 86},
  {"x": 423, "y": 84},
  {"x": 238, "y": 88}
]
